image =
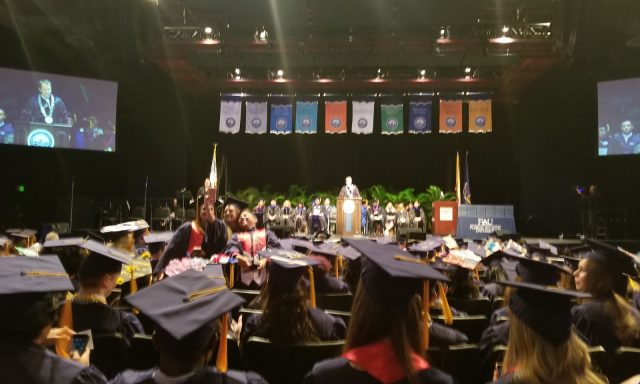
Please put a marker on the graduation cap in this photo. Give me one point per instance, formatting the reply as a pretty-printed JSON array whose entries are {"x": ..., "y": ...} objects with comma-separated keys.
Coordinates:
[
  {"x": 241, "y": 205},
  {"x": 182, "y": 304},
  {"x": 102, "y": 259},
  {"x": 215, "y": 273},
  {"x": 430, "y": 244},
  {"x": 478, "y": 249},
  {"x": 544, "y": 309},
  {"x": 616, "y": 260},
  {"x": 156, "y": 240},
  {"x": 462, "y": 258},
  {"x": 65, "y": 242},
  {"x": 295, "y": 244},
  {"x": 349, "y": 252},
  {"x": 386, "y": 240},
  {"x": 32, "y": 274},
  {"x": 287, "y": 267},
  {"x": 537, "y": 268}
]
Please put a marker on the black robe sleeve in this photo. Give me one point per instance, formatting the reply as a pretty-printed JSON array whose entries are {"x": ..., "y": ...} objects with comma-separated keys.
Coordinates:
[
  {"x": 327, "y": 326},
  {"x": 441, "y": 335},
  {"x": 177, "y": 247},
  {"x": 216, "y": 238}
]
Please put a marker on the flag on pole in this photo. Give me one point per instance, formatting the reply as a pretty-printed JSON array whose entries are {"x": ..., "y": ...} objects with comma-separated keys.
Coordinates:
[
  {"x": 450, "y": 116},
  {"x": 466, "y": 188},
  {"x": 480, "y": 116},
  {"x": 362, "y": 119},
  {"x": 458, "y": 177},
  {"x": 335, "y": 116},
  {"x": 230, "y": 112},
  {"x": 307, "y": 116},
  {"x": 213, "y": 174},
  {"x": 256, "y": 117},
  {"x": 391, "y": 118}
]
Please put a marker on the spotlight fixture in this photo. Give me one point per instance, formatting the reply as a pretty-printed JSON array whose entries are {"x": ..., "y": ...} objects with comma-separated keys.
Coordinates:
[
  {"x": 505, "y": 29},
  {"x": 237, "y": 71},
  {"x": 444, "y": 33},
  {"x": 208, "y": 30},
  {"x": 467, "y": 70},
  {"x": 422, "y": 73},
  {"x": 210, "y": 35},
  {"x": 280, "y": 73},
  {"x": 261, "y": 35}
]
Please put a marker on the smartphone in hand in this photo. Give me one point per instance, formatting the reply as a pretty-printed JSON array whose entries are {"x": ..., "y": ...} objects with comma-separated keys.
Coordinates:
[{"x": 79, "y": 343}]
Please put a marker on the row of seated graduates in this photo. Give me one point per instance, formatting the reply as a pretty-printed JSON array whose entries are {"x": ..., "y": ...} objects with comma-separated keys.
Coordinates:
[{"x": 452, "y": 356}]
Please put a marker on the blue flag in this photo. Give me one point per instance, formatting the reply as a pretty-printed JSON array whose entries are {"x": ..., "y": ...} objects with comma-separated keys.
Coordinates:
[
  {"x": 420, "y": 116},
  {"x": 306, "y": 117},
  {"x": 466, "y": 189},
  {"x": 281, "y": 118}
]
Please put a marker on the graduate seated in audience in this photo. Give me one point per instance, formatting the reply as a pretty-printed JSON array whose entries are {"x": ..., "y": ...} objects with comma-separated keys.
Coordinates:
[
  {"x": 205, "y": 232},
  {"x": 71, "y": 255},
  {"x": 606, "y": 319},
  {"x": 288, "y": 317},
  {"x": 385, "y": 341},
  {"x": 156, "y": 244},
  {"x": 543, "y": 347},
  {"x": 245, "y": 246},
  {"x": 27, "y": 290},
  {"x": 98, "y": 275},
  {"x": 186, "y": 310},
  {"x": 324, "y": 281}
]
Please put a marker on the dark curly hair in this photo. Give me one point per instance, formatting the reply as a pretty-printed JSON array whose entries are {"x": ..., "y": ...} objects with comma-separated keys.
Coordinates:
[{"x": 25, "y": 316}]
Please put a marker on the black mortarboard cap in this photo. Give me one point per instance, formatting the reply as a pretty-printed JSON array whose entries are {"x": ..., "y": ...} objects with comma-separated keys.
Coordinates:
[
  {"x": 544, "y": 309},
  {"x": 19, "y": 274},
  {"x": 286, "y": 267},
  {"x": 102, "y": 259},
  {"x": 24, "y": 233},
  {"x": 65, "y": 242},
  {"x": 619, "y": 263},
  {"x": 295, "y": 244},
  {"x": 158, "y": 237},
  {"x": 215, "y": 273},
  {"x": 349, "y": 252},
  {"x": 386, "y": 240},
  {"x": 182, "y": 304},
  {"x": 427, "y": 245},
  {"x": 391, "y": 275},
  {"x": 230, "y": 200}
]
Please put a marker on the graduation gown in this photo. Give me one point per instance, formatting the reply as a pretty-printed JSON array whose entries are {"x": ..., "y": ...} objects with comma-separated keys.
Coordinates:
[
  {"x": 328, "y": 327},
  {"x": 36, "y": 365},
  {"x": 596, "y": 326},
  {"x": 215, "y": 241},
  {"x": 206, "y": 375},
  {"x": 338, "y": 370},
  {"x": 102, "y": 319},
  {"x": 441, "y": 335}
]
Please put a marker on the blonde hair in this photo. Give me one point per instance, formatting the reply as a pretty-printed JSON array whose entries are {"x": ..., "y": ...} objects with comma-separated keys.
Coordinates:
[{"x": 536, "y": 361}]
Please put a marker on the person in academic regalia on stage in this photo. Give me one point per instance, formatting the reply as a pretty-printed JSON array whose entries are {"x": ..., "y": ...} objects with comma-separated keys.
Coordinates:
[
  {"x": 417, "y": 217},
  {"x": 98, "y": 275},
  {"x": 316, "y": 221},
  {"x": 45, "y": 107},
  {"x": 287, "y": 317},
  {"x": 7, "y": 132},
  {"x": 349, "y": 190},
  {"x": 187, "y": 311},
  {"x": 271, "y": 214},
  {"x": 543, "y": 346},
  {"x": 300, "y": 217},
  {"x": 206, "y": 232},
  {"x": 258, "y": 212},
  {"x": 245, "y": 246},
  {"x": 27, "y": 289},
  {"x": 286, "y": 214},
  {"x": 607, "y": 319},
  {"x": 385, "y": 340}
]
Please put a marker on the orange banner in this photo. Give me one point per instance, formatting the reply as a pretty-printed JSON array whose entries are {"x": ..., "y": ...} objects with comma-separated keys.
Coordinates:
[
  {"x": 480, "y": 116},
  {"x": 450, "y": 116},
  {"x": 335, "y": 116}
]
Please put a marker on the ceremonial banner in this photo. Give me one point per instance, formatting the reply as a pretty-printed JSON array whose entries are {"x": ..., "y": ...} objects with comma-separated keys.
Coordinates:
[
  {"x": 450, "y": 116},
  {"x": 480, "y": 116},
  {"x": 230, "y": 113},
  {"x": 335, "y": 116},
  {"x": 420, "y": 116},
  {"x": 256, "y": 117},
  {"x": 281, "y": 118},
  {"x": 392, "y": 121},
  {"x": 306, "y": 117},
  {"x": 362, "y": 117}
]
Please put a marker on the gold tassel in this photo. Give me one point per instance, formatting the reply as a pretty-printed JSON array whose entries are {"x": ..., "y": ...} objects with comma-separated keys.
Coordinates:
[
  {"x": 231, "y": 275},
  {"x": 65, "y": 320},
  {"x": 446, "y": 309},
  {"x": 312, "y": 288},
  {"x": 336, "y": 265},
  {"x": 635, "y": 287},
  {"x": 134, "y": 283},
  {"x": 221, "y": 359},
  {"x": 425, "y": 315}
]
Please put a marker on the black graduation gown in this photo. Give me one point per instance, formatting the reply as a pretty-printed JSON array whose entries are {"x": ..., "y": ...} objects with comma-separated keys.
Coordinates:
[
  {"x": 215, "y": 241},
  {"x": 328, "y": 327},
  {"x": 338, "y": 370},
  {"x": 37, "y": 365},
  {"x": 596, "y": 326},
  {"x": 102, "y": 319},
  {"x": 441, "y": 335},
  {"x": 206, "y": 375}
]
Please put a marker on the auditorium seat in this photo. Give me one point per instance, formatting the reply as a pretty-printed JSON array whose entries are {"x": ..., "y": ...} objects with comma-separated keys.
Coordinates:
[
  {"x": 190, "y": 214},
  {"x": 488, "y": 366},
  {"x": 497, "y": 303},
  {"x": 340, "y": 301},
  {"x": 344, "y": 315},
  {"x": 110, "y": 354},
  {"x": 284, "y": 364},
  {"x": 599, "y": 359},
  {"x": 137, "y": 213},
  {"x": 472, "y": 326},
  {"x": 625, "y": 364},
  {"x": 462, "y": 362},
  {"x": 142, "y": 354},
  {"x": 247, "y": 294},
  {"x": 481, "y": 306},
  {"x": 161, "y": 218}
]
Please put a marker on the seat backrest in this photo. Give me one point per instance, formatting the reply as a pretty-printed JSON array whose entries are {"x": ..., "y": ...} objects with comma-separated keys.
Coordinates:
[
  {"x": 142, "y": 354},
  {"x": 340, "y": 301},
  {"x": 180, "y": 213},
  {"x": 625, "y": 364},
  {"x": 462, "y": 362},
  {"x": 161, "y": 213},
  {"x": 247, "y": 294},
  {"x": 279, "y": 363},
  {"x": 599, "y": 359},
  {"x": 190, "y": 214},
  {"x": 110, "y": 354},
  {"x": 481, "y": 306},
  {"x": 496, "y": 355},
  {"x": 472, "y": 326},
  {"x": 344, "y": 315}
]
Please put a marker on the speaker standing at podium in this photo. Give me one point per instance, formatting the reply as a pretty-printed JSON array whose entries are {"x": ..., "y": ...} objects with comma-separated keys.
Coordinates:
[
  {"x": 349, "y": 190},
  {"x": 45, "y": 107}
]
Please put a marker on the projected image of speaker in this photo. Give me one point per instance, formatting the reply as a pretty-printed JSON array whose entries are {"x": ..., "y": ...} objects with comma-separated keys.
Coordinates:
[{"x": 619, "y": 117}]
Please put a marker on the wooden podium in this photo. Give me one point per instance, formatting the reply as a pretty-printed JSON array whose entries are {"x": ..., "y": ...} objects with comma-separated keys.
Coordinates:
[
  {"x": 348, "y": 216},
  {"x": 445, "y": 217}
]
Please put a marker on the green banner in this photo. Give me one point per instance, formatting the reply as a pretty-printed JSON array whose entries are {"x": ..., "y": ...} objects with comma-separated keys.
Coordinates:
[{"x": 392, "y": 119}]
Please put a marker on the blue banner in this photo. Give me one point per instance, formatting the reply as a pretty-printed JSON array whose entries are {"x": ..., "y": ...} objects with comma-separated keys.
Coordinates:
[
  {"x": 480, "y": 221},
  {"x": 420, "y": 116},
  {"x": 306, "y": 117},
  {"x": 281, "y": 118}
]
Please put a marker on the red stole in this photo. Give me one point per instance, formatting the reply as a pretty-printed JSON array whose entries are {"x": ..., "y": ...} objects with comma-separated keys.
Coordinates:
[
  {"x": 196, "y": 238},
  {"x": 379, "y": 360}
]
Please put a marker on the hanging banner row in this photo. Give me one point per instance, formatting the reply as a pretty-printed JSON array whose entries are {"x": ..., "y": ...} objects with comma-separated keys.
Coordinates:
[{"x": 280, "y": 120}]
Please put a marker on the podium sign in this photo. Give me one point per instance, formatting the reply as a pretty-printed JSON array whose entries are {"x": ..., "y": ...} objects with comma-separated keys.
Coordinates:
[
  {"x": 348, "y": 216},
  {"x": 43, "y": 135},
  {"x": 445, "y": 217},
  {"x": 479, "y": 221}
]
